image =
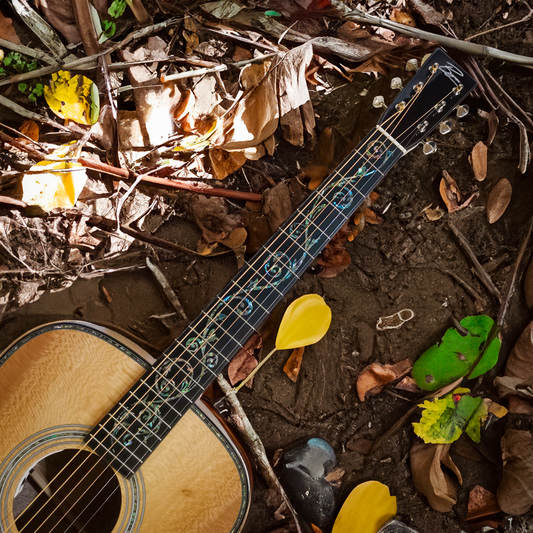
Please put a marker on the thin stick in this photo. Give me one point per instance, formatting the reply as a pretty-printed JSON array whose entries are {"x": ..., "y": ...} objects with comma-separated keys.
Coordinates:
[
  {"x": 253, "y": 372},
  {"x": 480, "y": 271},
  {"x": 527, "y": 17},
  {"x": 27, "y": 51},
  {"x": 510, "y": 286},
  {"x": 457, "y": 44},
  {"x": 219, "y": 68},
  {"x": 167, "y": 289},
  {"x": 245, "y": 428}
]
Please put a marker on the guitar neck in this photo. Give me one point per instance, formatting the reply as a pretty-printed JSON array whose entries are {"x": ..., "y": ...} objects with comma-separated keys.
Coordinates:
[
  {"x": 156, "y": 403},
  {"x": 132, "y": 430}
]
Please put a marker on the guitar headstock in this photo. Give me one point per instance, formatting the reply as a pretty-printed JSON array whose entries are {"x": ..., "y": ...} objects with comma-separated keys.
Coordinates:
[{"x": 438, "y": 87}]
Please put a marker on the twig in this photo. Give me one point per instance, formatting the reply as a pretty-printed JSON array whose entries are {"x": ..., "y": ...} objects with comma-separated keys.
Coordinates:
[
  {"x": 457, "y": 44},
  {"x": 27, "y": 51},
  {"x": 219, "y": 68},
  {"x": 527, "y": 17},
  {"x": 23, "y": 112},
  {"x": 35, "y": 154},
  {"x": 12, "y": 201},
  {"x": 84, "y": 61},
  {"x": 167, "y": 289},
  {"x": 510, "y": 286},
  {"x": 478, "y": 268},
  {"x": 245, "y": 428}
]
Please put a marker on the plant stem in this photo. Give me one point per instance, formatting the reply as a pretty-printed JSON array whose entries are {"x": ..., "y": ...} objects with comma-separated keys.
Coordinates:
[{"x": 253, "y": 372}]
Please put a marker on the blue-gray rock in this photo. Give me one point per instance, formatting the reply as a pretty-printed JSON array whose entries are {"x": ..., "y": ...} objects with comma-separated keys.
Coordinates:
[{"x": 303, "y": 472}]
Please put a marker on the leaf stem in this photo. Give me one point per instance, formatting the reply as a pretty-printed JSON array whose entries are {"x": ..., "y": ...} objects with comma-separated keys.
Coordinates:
[{"x": 253, "y": 372}]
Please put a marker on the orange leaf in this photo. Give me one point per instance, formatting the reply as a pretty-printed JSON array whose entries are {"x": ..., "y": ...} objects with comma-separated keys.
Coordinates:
[
  {"x": 374, "y": 377},
  {"x": 294, "y": 363},
  {"x": 30, "y": 128},
  {"x": 402, "y": 17}
]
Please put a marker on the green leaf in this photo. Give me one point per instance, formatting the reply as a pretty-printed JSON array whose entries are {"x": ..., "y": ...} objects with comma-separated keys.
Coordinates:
[
  {"x": 272, "y": 14},
  {"x": 117, "y": 8},
  {"x": 109, "y": 28},
  {"x": 38, "y": 90},
  {"x": 22, "y": 87},
  {"x": 444, "y": 419},
  {"x": 455, "y": 356}
]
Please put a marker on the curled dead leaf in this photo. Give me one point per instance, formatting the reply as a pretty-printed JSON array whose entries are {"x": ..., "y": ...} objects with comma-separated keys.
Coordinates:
[
  {"x": 481, "y": 502},
  {"x": 478, "y": 160},
  {"x": 515, "y": 493},
  {"x": 499, "y": 199},
  {"x": 451, "y": 194},
  {"x": 434, "y": 214},
  {"x": 402, "y": 17},
  {"x": 294, "y": 363},
  {"x": 225, "y": 163},
  {"x": 429, "y": 477},
  {"x": 334, "y": 257},
  {"x": 374, "y": 377}
]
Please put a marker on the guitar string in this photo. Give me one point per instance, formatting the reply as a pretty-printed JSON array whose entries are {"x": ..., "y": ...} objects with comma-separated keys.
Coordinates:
[
  {"x": 333, "y": 176},
  {"x": 338, "y": 171}
]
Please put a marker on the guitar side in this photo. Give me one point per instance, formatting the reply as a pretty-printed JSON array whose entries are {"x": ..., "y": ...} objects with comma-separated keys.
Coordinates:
[{"x": 56, "y": 383}]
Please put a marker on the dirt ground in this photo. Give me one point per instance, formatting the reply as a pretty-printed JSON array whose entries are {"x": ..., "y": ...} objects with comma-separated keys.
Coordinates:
[{"x": 407, "y": 262}]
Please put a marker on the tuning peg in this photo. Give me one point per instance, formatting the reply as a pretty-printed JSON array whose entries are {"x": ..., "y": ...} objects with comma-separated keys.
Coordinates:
[
  {"x": 396, "y": 83},
  {"x": 379, "y": 101},
  {"x": 462, "y": 111},
  {"x": 411, "y": 65},
  {"x": 445, "y": 127},
  {"x": 429, "y": 147}
]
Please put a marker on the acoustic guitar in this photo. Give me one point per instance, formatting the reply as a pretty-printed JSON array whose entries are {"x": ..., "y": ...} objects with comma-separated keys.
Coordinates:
[{"x": 95, "y": 439}]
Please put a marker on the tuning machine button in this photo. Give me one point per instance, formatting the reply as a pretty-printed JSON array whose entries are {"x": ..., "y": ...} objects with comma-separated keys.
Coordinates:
[
  {"x": 396, "y": 83},
  {"x": 429, "y": 147},
  {"x": 411, "y": 65},
  {"x": 462, "y": 111},
  {"x": 445, "y": 127},
  {"x": 379, "y": 101}
]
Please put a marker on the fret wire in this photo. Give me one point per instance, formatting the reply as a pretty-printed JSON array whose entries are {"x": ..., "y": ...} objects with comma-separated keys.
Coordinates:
[
  {"x": 248, "y": 296},
  {"x": 225, "y": 331},
  {"x": 115, "y": 458},
  {"x": 212, "y": 346},
  {"x": 124, "y": 447},
  {"x": 117, "y": 438},
  {"x": 258, "y": 272}
]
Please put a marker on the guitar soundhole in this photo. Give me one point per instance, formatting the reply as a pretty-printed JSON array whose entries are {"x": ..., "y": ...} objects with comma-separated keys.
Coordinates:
[{"x": 70, "y": 491}]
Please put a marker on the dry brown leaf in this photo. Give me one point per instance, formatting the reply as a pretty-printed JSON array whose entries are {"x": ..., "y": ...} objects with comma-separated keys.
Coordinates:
[
  {"x": 294, "y": 363},
  {"x": 7, "y": 31},
  {"x": 478, "y": 160},
  {"x": 277, "y": 205},
  {"x": 429, "y": 477},
  {"x": 408, "y": 384},
  {"x": 244, "y": 362},
  {"x": 334, "y": 257},
  {"x": 374, "y": 377},
  {"x": 225, "y": 163},
  {"x": 212, "y": 217},
  {"x": 255, "y": 117},
  {"x": 296, "y": 115},
  {"x": 402, "y": 17},
  {"x": 520, "y": 362},
  {"x": 528, "y": 284},
  {"x": 492, "y": 126},
  {"x": 451, "y": 194},
  {"x": 30, "y": 128},
  {"x": 428, "y": 13},
  {"x": 515, "y": 493},
  {"x": 499, "y": 199},
  {"x": 481, "y": 502},
  {"x": 323, "y": 156},
  {"x": 519, "y": 406}
]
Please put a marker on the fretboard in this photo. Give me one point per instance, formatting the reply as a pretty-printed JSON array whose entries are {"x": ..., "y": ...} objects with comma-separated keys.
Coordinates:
[{"x": 155, "y": 404}]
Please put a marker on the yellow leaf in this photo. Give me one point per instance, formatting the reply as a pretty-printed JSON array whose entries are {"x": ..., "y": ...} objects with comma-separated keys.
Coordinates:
[
  {"x": 49, "y": 189},
  {"x": 305, "y": 322},
  {"x": 73, "y": 97},
  {"x": 367, "y": 509}
]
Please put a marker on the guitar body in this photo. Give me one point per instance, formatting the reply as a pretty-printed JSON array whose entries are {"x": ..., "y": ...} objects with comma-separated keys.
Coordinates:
[{"x": 56, "y": 383}]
